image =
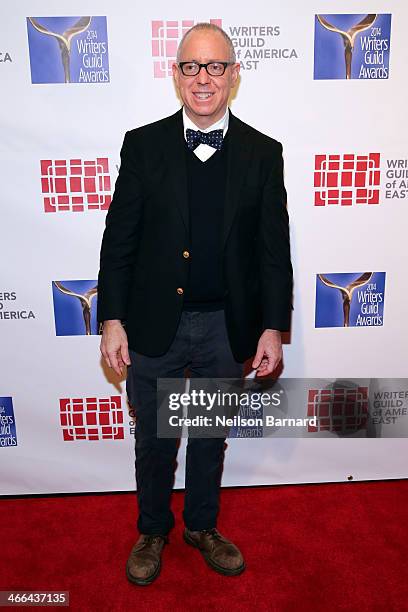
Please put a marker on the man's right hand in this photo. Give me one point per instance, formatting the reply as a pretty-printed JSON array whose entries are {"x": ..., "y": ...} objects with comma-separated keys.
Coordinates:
[{"x": 114, "y": 345}]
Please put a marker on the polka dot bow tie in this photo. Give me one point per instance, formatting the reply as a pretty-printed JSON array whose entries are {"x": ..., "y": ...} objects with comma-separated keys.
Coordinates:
[{"x": 212, "y": 139}]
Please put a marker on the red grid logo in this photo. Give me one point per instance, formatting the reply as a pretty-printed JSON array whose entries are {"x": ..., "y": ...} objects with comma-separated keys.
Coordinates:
[
  {"x": 91, "y": 418},
  {"x": 339, "y": 410},
  {"x": 166, "y": 36},
  {"x": 75, "y": 185},
  {"x": 347, "y": 179}
]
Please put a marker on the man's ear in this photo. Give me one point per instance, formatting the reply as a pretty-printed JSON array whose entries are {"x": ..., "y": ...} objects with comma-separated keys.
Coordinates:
[
  {"x": 175, "y": 71},
  {"x": 235, "y": 74}
]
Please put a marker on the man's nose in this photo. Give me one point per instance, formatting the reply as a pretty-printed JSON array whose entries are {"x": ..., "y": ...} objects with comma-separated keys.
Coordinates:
[{"x": 203, "y": 76}]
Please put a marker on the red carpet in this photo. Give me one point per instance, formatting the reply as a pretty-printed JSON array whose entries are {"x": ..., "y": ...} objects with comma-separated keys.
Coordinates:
[{"x": 307, "y": 547}]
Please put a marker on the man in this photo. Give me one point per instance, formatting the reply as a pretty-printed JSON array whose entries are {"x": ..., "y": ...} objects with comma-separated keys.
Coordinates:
[{"x": 195, "y": 273}]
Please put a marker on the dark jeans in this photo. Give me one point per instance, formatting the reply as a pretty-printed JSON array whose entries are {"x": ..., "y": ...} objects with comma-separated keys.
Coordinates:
[{"x": 201, "y": 344}]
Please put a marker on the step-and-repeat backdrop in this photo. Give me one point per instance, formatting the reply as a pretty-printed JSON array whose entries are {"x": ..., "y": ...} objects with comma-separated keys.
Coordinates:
[{"x": 326, "y": 79}]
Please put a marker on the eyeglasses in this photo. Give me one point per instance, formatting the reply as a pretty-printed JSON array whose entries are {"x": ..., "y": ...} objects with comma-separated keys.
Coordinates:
[{"x": 212, "y": 68}]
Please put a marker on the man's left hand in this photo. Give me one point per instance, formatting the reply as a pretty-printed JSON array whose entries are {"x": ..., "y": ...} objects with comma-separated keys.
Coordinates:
[{"x": 269, "y": 352}]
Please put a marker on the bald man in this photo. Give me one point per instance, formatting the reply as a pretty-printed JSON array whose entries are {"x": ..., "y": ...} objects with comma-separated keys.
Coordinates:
[{"x": 195, "y": 273}]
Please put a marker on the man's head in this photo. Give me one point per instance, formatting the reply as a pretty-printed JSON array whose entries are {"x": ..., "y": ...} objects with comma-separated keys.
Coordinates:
[{"x": 205, "y": 97}]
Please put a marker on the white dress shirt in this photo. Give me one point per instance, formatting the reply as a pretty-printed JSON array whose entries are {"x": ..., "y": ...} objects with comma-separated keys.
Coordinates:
[{"x": 204, "y": 151}]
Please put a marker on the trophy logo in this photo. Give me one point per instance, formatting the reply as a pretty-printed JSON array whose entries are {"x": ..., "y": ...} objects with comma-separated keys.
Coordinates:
[
  {"x": 68, "y": 49},
  {"x": 347, "y": 292},
  {"x": 358, "y": 299},
  {"x": 352, "y": 46},
  {"x": 8, "y": 433},
  {"x": 64, "y": 40},
  {"x": 68, "y": 322},
  {"x": 349, "y": 37}
]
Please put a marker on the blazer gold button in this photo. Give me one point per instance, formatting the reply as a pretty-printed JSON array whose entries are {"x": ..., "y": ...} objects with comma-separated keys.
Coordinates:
[
  {"x": 180, "y": 290},
  {"x": 186, "y": 254}
]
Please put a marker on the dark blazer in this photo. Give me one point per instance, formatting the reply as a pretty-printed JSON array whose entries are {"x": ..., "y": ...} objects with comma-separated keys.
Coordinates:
[{"x": 142, "y": 267}]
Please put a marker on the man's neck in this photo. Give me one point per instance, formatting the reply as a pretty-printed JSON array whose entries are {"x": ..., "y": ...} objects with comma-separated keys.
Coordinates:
[{"x": 203, "y": 123}]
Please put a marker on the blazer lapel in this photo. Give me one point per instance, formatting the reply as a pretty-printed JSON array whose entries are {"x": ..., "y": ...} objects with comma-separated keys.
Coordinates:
[
  {"x": 174, "y": 151},
  {"x": 239, "y": 152}
]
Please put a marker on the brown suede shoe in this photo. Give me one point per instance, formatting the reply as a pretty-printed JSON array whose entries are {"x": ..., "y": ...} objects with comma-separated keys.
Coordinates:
[
  {"x": 221, "y": 554},
  {"x": 144, "y": 563}
]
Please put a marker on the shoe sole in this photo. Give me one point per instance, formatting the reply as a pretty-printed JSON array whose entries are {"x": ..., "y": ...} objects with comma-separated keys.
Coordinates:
[
  {"x": 212, "y": 564},
  {"x": 143, "y": 581}
]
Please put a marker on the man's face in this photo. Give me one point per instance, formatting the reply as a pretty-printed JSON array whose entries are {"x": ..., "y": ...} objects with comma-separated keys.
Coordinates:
[{"x": 205, "y": 97}]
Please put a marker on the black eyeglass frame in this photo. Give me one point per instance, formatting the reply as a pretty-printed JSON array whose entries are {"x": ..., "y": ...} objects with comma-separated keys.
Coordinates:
[{"x": 224, "y": 64}]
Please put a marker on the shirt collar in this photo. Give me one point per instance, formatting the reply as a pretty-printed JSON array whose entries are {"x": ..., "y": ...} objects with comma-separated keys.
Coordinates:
[{"x": 221, "y": 124}]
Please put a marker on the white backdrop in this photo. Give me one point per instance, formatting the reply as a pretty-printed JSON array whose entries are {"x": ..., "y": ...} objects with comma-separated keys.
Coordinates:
[{"x": 87, "y": 121}]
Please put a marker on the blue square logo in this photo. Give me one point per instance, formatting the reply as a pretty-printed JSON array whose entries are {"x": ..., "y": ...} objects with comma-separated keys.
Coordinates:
[
  {"x": 354, "y": 299},
  {"x": 68, "y": 49},
  {"x": 8, "y": 433},
  {"x": 352, "y": 46},
  {"x": 75, "y": 307}
]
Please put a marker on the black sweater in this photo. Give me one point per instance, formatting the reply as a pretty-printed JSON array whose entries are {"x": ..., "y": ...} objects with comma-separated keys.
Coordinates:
[{"x": 206, "y": 193}]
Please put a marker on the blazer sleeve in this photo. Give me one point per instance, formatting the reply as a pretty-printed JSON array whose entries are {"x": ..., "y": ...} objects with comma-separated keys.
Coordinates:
[
  {"x": 120, "y": 238},
  {"x": 275, "y": 263}
]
